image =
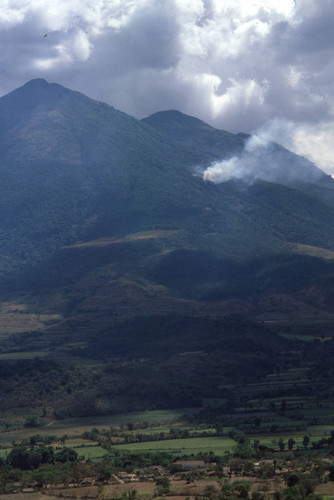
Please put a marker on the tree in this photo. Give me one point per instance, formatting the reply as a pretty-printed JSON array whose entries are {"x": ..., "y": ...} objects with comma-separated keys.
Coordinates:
[
  {"x": 283, "y": 406},
  {"x": 226, "y": 491},
  {"x": 292, "y": 479},
  {"x": 210, "y": 491},
  {"x": 163, "y": 485},
  {"x": 219, "y": 429},
  {"x": 256, "y": 495},
  {"x": 243, "y": 449},
  {"x": 31, "y": 421},
  {"x": 66, "y": 455},
  {"x": 291, "y": 443},
  {"x": 331, "y": 473},
  {"x": 25, "y": 459},
  {"x": 281, "y": 444},
  {"x": 242, "y": 488},
  {"x": 44, "y": 475},
  {"x": 306, "y": 441},
  {"x": 18, "y": 458},
  {"x": 331, "y": 438}
]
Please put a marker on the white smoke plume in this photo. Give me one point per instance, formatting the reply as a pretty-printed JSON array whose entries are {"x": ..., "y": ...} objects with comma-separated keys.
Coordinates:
[{"x": 263, "y": 158}]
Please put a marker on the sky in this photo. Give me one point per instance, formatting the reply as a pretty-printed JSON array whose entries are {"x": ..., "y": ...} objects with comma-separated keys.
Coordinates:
[{"x": 240, "y": 65}]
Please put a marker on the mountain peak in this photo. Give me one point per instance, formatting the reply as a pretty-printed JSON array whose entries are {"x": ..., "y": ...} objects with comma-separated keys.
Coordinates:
[
  {"x": 193, "y": 132},
  {"x": 176, "y": 118},
  {"x": 36, "y": 82},
  {"x": 31, "y": 94}
]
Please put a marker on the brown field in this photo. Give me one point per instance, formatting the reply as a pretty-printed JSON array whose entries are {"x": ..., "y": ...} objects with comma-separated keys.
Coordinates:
[
  {"x": 179, "y": 489},
  {"x": 17, "y": 317},
  {"x": 325, "y": 489},
  {"x": 311, "y": 250},
  {"x": 74, "y": 433},
  {"x": 142, "y": 235},
  {"x": 28, "y": 496}
]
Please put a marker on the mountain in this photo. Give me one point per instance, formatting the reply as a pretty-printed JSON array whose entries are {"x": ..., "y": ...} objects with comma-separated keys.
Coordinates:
[
  {"x": 269, "y": 161},
  {"x": 74, "y": 169},
  {"x": 206, "y": 141},
  {"x": 79, "y": 177},
  {"x": 67, "y": 160},
  {"x": 114, "y": 248}
]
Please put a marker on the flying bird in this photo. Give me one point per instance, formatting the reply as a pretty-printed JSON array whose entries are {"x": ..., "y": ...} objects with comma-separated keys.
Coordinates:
[{"x": 45, "y": 35}]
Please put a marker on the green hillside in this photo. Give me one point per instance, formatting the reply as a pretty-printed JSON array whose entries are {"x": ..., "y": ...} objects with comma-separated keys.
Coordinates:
[
  {"x": 205, "y": 141},
  {"x": 139, "y": 284},
  {"x": 74, "y": 169}
]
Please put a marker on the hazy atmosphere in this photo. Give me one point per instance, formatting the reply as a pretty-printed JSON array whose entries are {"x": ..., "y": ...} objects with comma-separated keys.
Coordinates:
[{"x": 236, "y": 65}]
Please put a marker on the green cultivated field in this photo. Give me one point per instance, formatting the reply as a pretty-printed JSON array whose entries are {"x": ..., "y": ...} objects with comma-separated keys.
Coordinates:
[
  {"x": 272, "y": 440},
  {"x": 4, "y": 452},
  {"x": 177, "y": 427},
  {"x": 218, "y": 445},
  {"x": 90, "y": 452}
]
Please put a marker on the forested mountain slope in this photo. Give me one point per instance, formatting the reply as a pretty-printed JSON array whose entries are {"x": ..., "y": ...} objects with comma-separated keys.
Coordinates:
[
  {"x": 74, "y": 169},
  {"x": 113, "y": 247}
]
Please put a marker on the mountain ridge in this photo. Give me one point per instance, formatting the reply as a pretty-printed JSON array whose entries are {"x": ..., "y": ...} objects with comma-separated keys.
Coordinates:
[
  {"x": 73, "y": 168},
  {"x": 274, "y": 157}
]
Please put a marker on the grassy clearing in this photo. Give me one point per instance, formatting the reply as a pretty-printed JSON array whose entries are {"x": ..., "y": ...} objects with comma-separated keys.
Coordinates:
[
  {"x": 271, "y": 440},
  {"x": 320, "y": 430},
  {"x": 218, "y": 445},
  {"x": 91, "y": 452},
  {"x": 4, "y": 452}
]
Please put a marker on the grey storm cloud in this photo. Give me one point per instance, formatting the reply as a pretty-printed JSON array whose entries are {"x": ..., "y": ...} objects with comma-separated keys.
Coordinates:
[{"x": 234, "y": 64}]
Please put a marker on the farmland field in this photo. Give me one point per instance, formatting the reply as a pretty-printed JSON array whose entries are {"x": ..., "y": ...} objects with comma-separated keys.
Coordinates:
[
  {"x": 75, "y": 427},
  {"x": 90, "y": 452},
  {"x": 29, "y": 496},
  {"x": 218, "y": 445},
  {"x": 4, "y": 452}
]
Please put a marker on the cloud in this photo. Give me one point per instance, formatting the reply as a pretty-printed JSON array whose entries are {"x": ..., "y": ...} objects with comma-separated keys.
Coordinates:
[{"x": 234, "y": 64}]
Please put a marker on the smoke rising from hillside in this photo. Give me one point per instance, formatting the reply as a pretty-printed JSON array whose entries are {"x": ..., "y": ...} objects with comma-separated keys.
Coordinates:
[{"x": 264, "y": 159}]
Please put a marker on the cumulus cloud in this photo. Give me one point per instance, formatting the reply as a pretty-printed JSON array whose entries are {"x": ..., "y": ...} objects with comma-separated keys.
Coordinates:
[{"x": 234, "y": 64}]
